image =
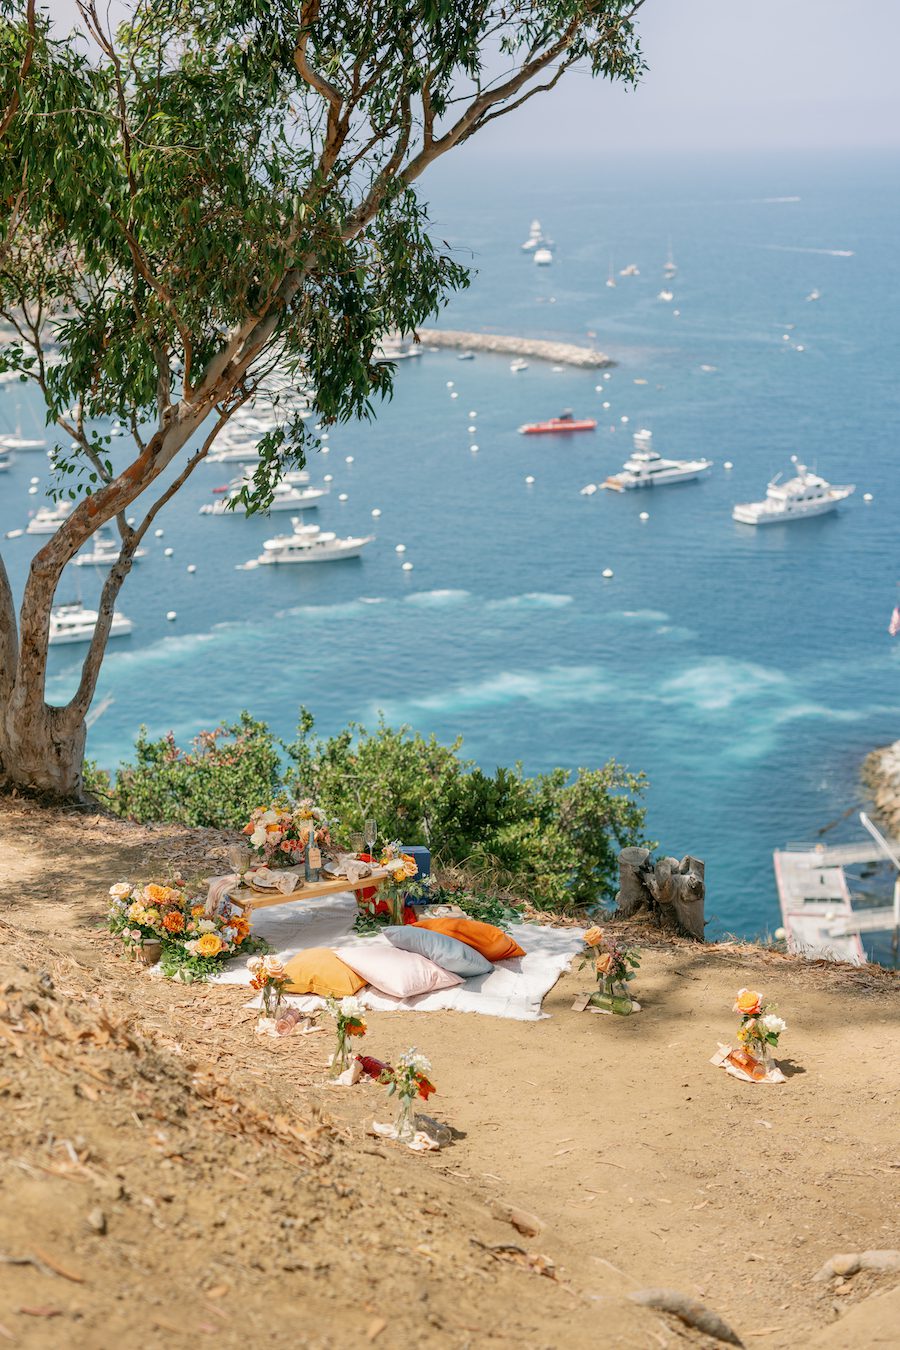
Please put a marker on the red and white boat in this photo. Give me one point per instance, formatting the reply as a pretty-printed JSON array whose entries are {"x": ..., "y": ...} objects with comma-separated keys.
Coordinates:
[{"x": 565, "y": 422}]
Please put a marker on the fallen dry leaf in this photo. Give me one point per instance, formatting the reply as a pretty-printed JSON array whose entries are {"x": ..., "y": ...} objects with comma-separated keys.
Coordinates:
[
  {"x": 218, "y": 1291},
  {"x": 41, "y": 1312},
  {"x": 375, "y": 1328}
]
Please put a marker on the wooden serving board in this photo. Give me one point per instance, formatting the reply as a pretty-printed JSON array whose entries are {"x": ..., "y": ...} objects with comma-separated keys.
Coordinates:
[{"x": 249, "y": 900}]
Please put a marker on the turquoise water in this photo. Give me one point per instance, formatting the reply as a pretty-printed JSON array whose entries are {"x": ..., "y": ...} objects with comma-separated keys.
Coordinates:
[{"x": 746, "y": 672}]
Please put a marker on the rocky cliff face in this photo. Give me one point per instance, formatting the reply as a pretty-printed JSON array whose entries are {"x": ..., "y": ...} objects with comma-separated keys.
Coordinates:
[{"x": 881, "y": 774}]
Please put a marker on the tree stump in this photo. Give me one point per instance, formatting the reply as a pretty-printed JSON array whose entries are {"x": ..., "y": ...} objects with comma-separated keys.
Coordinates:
[{"x": 669, "y": 891}]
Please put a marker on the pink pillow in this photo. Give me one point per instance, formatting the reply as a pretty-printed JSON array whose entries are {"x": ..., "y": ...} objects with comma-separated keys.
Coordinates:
[{"x": 395, "y": 972}]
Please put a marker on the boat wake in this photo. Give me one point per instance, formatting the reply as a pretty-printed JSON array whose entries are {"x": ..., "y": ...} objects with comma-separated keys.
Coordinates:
[{"x": 797, "y": 248}]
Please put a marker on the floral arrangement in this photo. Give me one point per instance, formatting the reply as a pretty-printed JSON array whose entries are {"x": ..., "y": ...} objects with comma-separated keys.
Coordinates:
[
  {"x": 401, "y": 866},
  {"x": 278, "y": 834},
  {"x": 192, "y": 943},
  {"x": 269, "y": 977},
  {"x": 614, "y": 964},
  {"x": 349, "y": 1021},
  {"x": 408, "y": 1080},
  {"x": 391, "y": 903},
  {"x": 760, "y": 1027}
]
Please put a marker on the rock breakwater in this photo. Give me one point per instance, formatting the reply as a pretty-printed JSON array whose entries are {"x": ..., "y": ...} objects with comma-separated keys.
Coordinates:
[{"x": 540, "y": 349}]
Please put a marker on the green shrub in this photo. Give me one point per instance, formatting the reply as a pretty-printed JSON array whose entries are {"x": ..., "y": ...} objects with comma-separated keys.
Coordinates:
[
  {"x": 226, "y": 774},
  {"x": 551, "y": 839}
]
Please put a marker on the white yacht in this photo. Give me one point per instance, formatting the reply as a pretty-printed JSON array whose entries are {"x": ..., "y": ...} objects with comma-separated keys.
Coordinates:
[
  {"x": 309, "y": 544},
  {"x": 666, "y": 296},
  {"x": 16, "y": 441},
  {"x": 535, "y": 237},
  {"x": 396, "y": 349},
  {"x": 804, "y": 495},
  {"x": 287, "y": 497},
  {"x": 47, "y": 519},
  {"x": 542, "y": 256},
  {"x": 105, "y": 552},
  {"x": 517, "y": 365},
  {"x": 74, "y": 623},
  {"x": 234, "y": 454},
  {"x": 630, "y": 271},
  {"x": 647, "y": 468}
]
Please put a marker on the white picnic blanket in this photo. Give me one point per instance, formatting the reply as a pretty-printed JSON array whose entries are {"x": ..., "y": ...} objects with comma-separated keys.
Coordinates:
[{"x": 514, "y": 988}]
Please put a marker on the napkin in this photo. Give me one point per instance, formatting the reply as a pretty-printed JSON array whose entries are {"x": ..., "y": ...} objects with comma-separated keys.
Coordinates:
[{"x": 276, "y": 879}]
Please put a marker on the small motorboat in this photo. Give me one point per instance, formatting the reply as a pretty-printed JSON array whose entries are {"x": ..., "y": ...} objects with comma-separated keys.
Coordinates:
[
  {"x": 465, "y": 356},
  {"x": 666, "y": 296},
  {"x": 565, "y": 422},
  {"x": 517, "y": 365},
  {"x": 630, "y": 271},
  {"x": 6, "y": 461},
  {"x": 105, "y": 552},
  {"x": 543, "y": 257},
  {"x": 47, "y": 519}
]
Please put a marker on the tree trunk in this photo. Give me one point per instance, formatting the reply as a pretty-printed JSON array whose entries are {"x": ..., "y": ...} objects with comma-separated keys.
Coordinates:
[{"x": 41, "y": 750}]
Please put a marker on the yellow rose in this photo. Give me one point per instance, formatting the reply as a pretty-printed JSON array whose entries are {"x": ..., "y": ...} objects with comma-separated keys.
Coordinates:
[
  {"x": 210, "y": 944},
  {"x": 135, "y": 911},
  {"x": 603, "y": 963},
  {"x": 748, "y": 1002},
  {"x": 593, "y": 937}
]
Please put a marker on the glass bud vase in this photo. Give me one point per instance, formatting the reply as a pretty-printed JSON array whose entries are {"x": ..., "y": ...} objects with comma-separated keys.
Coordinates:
[
  {"x": 271, "y": 1001},
  {"x": 405, "y": 1124},
  {"x": 613, "y": 996},
  {"x": 340, "y": 1060}
]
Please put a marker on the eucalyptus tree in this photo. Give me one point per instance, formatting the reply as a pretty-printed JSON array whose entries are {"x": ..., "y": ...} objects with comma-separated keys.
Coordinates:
[{"x": 213, "y": 191}]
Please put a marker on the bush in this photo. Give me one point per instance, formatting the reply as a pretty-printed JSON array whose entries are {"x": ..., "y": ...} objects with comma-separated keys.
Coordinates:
[
  {"x": 552, "y": 839},
  {"x": 227, "y": 773}
]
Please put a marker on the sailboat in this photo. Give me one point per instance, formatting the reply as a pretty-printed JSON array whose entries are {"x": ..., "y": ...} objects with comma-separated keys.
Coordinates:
[
  {"x": 670, "y": 267},
  {"x": 611, "y": 279},
  {"x": 16, "y": 441}
]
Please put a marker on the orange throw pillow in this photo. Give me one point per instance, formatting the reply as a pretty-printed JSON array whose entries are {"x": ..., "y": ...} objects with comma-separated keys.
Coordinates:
[
  {"x": 319, "y": 971},
  {"x": 492, "y": 942}
]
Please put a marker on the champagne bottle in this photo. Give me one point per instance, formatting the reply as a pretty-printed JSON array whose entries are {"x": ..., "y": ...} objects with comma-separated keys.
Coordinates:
[{"x": 313, "y": 855}]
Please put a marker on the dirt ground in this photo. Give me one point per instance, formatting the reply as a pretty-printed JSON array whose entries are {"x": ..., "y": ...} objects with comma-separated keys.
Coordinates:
[{"x": 169, "y": 1178}]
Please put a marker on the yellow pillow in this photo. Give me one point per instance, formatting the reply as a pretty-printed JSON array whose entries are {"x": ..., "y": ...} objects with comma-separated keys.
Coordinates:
[
  {"x": 492, "y": 942},
  {"x": 318, "y": 971}
]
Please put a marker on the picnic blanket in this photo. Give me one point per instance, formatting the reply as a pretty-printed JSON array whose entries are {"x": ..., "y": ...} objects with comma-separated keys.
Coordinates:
[{"x": 514, "y": 988}]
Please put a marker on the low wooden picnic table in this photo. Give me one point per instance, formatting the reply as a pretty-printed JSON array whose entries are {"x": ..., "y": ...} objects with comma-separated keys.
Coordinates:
[{"x": 249, "y": 900}]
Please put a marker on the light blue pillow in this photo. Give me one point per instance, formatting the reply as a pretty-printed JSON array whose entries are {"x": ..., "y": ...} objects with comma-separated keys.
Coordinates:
[{"x": 446, "y": 952}]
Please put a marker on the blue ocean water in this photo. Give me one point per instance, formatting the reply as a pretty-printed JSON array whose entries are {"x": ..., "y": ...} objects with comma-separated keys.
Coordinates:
[{"x": 746, "y": 672}]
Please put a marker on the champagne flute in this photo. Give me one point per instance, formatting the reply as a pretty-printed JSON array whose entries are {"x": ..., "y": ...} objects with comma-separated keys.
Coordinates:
[{"x": 371, "y": 831}]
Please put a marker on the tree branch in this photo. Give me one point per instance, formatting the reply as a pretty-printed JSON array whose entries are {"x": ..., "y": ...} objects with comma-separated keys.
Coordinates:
[{"x": 13, "y": 105}]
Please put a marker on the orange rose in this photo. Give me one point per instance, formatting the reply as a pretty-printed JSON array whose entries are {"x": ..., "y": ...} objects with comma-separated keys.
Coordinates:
[
  {"x": 159, "y": 895},
  {"x": 197, "y": 910},
  {"x": 748, "y": 1003},
  {"x": 173, "y": 922},
  {"x": 604, "y": 963},
  {"x": 210, "y": 944},
  {"x": 593, "y": 937}
]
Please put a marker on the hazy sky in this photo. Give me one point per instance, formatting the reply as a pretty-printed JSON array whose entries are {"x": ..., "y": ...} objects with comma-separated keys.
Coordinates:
[{"x": 738, "y": 74}]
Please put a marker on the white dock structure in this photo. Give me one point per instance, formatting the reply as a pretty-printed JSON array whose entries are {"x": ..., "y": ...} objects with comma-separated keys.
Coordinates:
[{"x": 816, "y": 905}]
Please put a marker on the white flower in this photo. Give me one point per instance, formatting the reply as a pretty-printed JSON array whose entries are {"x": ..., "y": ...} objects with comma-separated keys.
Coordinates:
[
  {"x": 120, "y": 890},
  {"x": 774, "y": 1025},
  {"x": 413, "y": 1060},
  {"x": 351, "y": 1007},
  {"x": 206, "y": 926},
  {"x": 254, "y": 964},
  {"x": 269, "y": 817},
  {"x": 258, "y": 838}
]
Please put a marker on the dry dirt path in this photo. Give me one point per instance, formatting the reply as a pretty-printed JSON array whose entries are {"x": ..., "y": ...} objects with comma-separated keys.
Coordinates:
[{"x": 648, "y": 1166}]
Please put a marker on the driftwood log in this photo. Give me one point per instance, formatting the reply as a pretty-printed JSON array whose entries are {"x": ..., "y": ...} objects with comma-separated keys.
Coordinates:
[{"x": 669, "y": 891}]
